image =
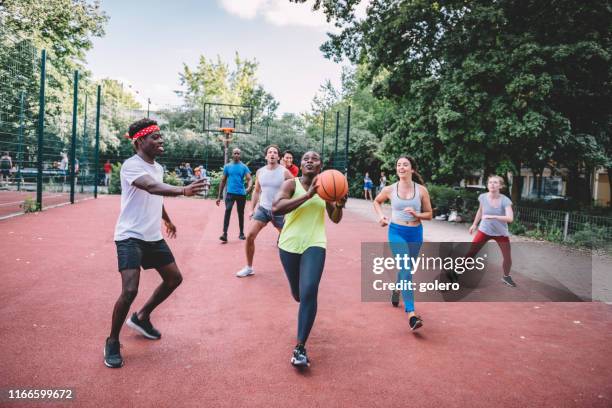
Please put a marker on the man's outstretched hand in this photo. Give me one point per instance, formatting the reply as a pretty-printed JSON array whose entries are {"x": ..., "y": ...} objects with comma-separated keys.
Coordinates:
[{"x": 195, "y": 187}]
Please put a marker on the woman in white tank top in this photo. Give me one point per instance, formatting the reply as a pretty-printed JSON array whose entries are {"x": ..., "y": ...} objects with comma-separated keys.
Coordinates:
[{"x": 410, "y": 204}]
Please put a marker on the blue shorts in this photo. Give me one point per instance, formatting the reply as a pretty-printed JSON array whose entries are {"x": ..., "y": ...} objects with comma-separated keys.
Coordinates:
[{"x": 265, "y": 216}]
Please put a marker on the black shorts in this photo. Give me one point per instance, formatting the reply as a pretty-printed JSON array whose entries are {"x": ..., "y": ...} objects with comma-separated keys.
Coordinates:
[{"x": 133, "y": 253}]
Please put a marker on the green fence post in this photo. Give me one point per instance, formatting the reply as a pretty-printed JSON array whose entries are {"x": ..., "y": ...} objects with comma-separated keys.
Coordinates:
[
  {"x": 97, "y": 151},
  {"x": 41, "y": 127},
  {"x": 83, "y": 164},
  {"x": 323, "y": 137},
  {"x": 20, "y": 142},
  {"x": 346, "y": 143},
  {"x": 75, "y": 108},
  {"x": 336, "y": 147}
]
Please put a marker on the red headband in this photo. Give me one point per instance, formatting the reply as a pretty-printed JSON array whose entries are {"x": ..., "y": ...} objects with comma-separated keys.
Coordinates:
[{"x": 143, "y": 132}]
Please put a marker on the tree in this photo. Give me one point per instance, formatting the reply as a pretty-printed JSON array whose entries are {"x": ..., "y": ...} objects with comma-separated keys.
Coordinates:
[{"x": 480, "y": 85}]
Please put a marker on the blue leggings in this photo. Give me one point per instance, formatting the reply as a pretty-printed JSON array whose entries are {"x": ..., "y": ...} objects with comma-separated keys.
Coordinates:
[{"x": 406, "y": 240}]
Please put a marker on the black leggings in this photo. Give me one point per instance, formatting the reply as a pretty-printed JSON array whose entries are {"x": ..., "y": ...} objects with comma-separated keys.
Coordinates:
[
  {"x": 229, "y": 204},
  {"x": 304, "y": 273}
]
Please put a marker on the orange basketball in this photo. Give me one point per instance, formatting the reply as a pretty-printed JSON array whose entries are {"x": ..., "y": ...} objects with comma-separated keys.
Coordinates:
[{"x": 332, "y": 185}]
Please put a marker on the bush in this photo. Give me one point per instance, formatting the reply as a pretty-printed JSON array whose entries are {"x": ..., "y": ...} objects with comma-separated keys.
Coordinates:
[
  {"x": 517, "y": 227},
  {"x": 114, "y": 186},
  {"x": 173, "y": 179},
  {"x": 591, "y": 236},
  {"x": 215, "y": 180},
  {"x": 445, "y": 198},
  {"x": 30, "y": 205}
]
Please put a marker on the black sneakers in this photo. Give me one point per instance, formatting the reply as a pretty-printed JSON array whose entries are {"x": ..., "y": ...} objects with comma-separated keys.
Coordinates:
[
  {"x": 223, "y": 237},
  {"x": 395, "y": 298},
  {"x": 299, "y": 358},
  {"x": 415, "y": 322},
  {"x": 112, "y": 354},
  {"x": 241, "y": 236},
  {"x": 508, "y": 281},
  {"x": 143, "y": 327}
]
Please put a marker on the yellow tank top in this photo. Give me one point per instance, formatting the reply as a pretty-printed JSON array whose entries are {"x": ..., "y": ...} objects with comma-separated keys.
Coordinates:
[{"x": 305, "y": 226}]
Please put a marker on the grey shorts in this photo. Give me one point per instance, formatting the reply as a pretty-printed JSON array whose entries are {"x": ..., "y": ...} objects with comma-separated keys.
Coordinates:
[{"x": 265, "y": 216}]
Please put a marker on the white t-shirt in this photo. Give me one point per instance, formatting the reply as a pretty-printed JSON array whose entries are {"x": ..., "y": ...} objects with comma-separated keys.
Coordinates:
[{"x": 141, "y": 212}]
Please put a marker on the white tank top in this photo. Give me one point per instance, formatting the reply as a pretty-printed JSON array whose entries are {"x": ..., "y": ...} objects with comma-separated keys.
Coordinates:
[
  {"x": 270, "y": 182},
  {"x": 399, "y": 204}
]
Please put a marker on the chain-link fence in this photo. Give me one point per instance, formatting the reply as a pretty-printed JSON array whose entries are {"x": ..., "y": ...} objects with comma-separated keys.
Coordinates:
[{"x": 566, "y": 226}]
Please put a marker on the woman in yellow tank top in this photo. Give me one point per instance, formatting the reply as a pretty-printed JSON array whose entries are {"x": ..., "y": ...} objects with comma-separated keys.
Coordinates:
[{"x": 302, "y": 243}]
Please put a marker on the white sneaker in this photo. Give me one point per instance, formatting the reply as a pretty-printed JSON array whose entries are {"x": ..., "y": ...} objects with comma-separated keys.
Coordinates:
[{"x": 244, "y": 272}]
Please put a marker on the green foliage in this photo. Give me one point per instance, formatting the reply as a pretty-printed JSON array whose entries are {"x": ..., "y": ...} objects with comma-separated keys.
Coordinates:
[
  {"x": 517, "y": 228},
  {"x": 114, "y": 186},
  {"x": 444, "y": 198},
  {"x": 215, "y": 180},
  {"x": 485, "y": 85},
  {"x": 215, "y": 81},
  {"x": 30, "y": 205},
  {"x": 172, "y": 179},
  {"x": 590, "y": 236}
]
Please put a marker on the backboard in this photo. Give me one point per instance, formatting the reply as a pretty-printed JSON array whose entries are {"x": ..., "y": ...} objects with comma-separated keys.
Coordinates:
[{"x": 221, "y": 115}]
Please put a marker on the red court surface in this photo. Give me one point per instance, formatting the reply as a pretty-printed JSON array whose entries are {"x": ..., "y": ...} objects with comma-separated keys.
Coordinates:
[
  {"x": 11, "y": 202},
  {"x": 227, "y": 341}
]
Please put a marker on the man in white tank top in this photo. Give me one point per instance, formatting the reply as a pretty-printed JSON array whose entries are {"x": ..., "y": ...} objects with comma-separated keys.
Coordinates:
[{"x": 268, "y": 181}]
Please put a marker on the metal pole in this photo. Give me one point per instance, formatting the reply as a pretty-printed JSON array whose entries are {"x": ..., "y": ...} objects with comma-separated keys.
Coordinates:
[
  {"x": 148, "y": 106},
  {"x": 565, "y": 226},
  {"x": 97, "y": 151},
  {"x": 85, "y": 143},
  {"x": 75, "y": 108},
  {"x": 346, "y": 143},
  {"x": 323, "y": 137},
  {"x": 267, "y": 128},
  {"x": 20, "y": 142},
  {"x": 41, "y": 127},
  {"x": 336, "y": 148}
]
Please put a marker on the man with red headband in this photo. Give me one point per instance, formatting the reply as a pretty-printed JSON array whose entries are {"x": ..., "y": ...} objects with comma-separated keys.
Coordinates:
[{"x": 138, "y": 235}]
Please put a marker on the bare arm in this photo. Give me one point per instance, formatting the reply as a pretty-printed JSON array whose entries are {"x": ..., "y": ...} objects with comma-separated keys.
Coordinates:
[
  {"x": 288, "y": 174},
  {"x": 334, "y": 211},
  {"x": 426, "y": 210},
  {"x": 249, "y": 182},
  {"x": 170, "y": 227},
  {"x": 255, "y": 196},
  {"x": 221, "y": 187},
  {"x": 285, "y": 204},
  {"x": 152, "y": 186},
  {"x": 508, "y": 218},
  {"x": 477, "y": 219},
  {"x": 380, "y": 199}
]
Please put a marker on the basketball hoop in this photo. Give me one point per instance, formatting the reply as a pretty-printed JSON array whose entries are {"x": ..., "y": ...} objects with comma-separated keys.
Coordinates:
[{"x": 226, "y": 130}]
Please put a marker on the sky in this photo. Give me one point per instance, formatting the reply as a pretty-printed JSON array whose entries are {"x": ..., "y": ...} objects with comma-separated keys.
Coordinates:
[{"x": 147, "y": 42}]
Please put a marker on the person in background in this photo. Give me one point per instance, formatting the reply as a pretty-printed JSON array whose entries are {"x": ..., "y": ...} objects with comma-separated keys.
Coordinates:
[
  {"x": 108, "y": 168},
  {"x": 288, "y": 162},
  {"x": 367, "y": 187}
]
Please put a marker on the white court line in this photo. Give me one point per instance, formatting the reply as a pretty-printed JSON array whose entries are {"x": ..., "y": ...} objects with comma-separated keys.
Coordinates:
[
  {"x": 46, "y": 208},
  {"x": 21, "y": 202}
]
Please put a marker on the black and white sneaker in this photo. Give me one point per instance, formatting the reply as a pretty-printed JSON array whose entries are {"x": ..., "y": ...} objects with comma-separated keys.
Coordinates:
[
  {"x": 395, "y": 298},
  {"x": 112, "y": 354},
  {"x": 299, "y": 358},
  {"x": 223, "y": 237},
  {"x": 143, "y": 327},
  {"x": 241, "y": 236},
  {"x": 508, "y": 281},
  {"x": 415, "y": 322}
]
